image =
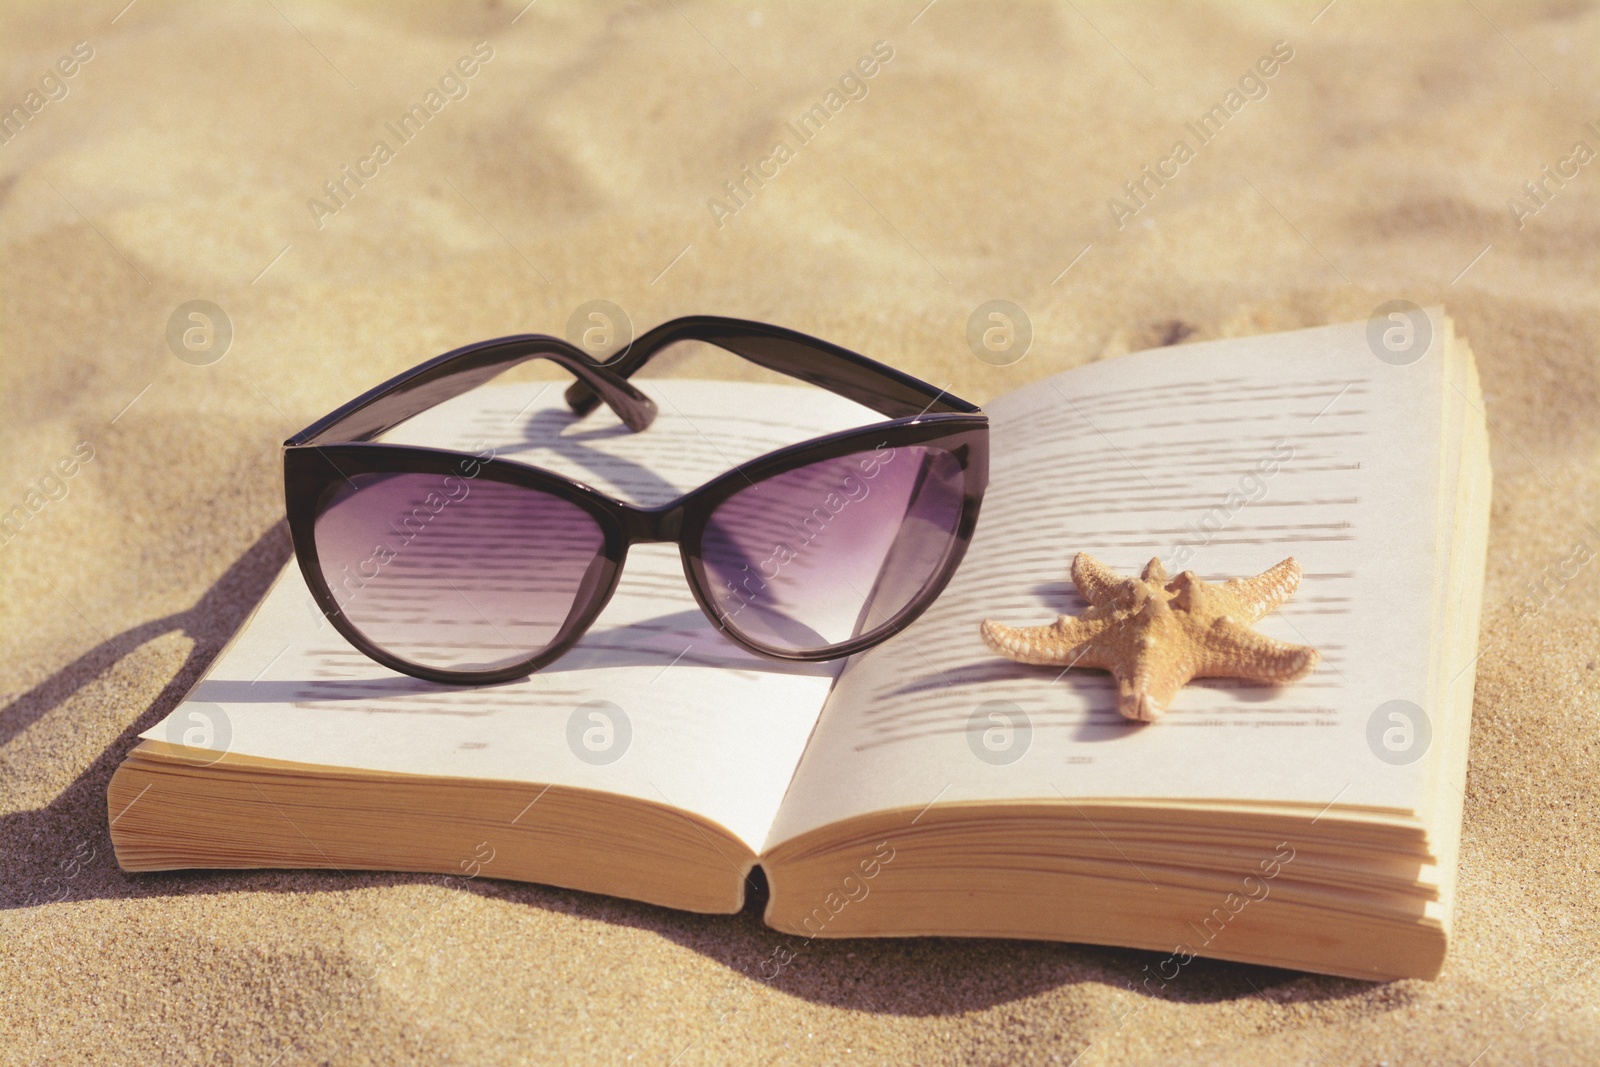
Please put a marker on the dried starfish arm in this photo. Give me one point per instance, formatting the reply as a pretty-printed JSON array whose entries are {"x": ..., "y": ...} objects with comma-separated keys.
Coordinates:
[
  {"x": 1068, "y": 641},
  {"x": 1143, "y": 695},
  {"x": 1154, "y": 571},
  {"x": 1230, "y": 650},
  {"x": 1256, "y": 597},
  {"x": 1096, "y": 582}
]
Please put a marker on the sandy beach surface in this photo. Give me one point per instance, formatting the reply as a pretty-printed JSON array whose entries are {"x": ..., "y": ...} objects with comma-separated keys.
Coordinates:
[{"x": 184, "y": 158}]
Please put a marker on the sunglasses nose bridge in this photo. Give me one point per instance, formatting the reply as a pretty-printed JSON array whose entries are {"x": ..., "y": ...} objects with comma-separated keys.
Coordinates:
[{"x": 648, "y": 525}]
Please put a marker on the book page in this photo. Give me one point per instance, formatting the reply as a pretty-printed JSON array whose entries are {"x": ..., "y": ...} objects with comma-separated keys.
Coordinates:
[
  {"x": 1222, "y": 458},
  {"x": 686, "y": 717}
]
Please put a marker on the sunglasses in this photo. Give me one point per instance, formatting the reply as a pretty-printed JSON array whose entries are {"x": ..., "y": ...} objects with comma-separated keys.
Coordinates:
[{"x": 455, "y": 568}]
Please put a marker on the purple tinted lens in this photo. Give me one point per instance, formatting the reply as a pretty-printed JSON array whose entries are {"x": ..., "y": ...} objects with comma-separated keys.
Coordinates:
[
  {"x": 833, "y": 551},
  {"x": 454, "y": 573}
]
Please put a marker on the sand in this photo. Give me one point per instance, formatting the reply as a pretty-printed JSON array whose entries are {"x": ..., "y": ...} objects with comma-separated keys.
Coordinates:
[{"x": 578, "y": 166}]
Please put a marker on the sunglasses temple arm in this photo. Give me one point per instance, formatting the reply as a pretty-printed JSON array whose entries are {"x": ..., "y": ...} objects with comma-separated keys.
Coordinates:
[
  {"x": 636, "y": 410},
  {"x": 867, "y": 382},
  {"x": 381, "y": 409}
]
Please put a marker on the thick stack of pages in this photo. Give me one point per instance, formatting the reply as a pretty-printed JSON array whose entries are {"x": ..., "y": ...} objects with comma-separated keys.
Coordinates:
[{"x": 927, "y": 786}]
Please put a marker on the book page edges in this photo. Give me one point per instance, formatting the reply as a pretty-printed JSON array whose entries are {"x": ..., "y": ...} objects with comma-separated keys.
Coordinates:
[
  {"x": 1461, "y": 623},
  {"x": 1353, "y": 895},
  {"x": 342, "y": 819}
]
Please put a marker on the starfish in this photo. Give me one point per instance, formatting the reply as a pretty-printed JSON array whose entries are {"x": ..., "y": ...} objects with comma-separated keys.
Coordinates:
[{"x": 1154, "y": 633}]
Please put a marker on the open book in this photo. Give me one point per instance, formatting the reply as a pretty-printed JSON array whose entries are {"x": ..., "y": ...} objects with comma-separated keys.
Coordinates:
[{"x": 929, "y": 787}]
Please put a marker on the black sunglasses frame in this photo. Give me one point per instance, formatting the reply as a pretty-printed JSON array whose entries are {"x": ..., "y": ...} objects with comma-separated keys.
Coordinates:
[{"x": 319, "y": 460}]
